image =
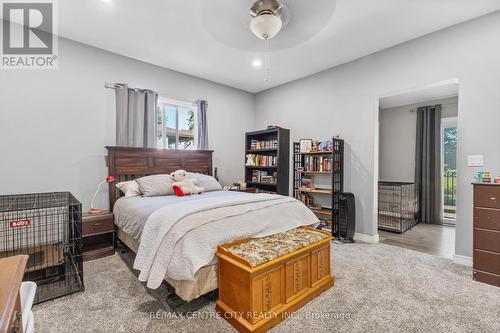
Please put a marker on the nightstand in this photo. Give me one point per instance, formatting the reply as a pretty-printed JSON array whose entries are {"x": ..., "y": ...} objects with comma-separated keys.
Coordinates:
[{"x": 98, "y": 233}]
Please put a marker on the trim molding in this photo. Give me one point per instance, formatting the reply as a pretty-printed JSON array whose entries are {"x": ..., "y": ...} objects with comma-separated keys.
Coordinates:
[
  {"x": 462, "y": 260},
  {"x": 366, "y": 238}
]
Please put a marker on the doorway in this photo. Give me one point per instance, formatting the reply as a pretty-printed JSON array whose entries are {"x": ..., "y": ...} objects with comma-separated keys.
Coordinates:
[{"x": 399, "y": 161}]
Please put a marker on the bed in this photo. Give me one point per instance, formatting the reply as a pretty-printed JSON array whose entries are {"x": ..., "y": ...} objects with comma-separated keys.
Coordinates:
[{"x": 183, "y": 254}]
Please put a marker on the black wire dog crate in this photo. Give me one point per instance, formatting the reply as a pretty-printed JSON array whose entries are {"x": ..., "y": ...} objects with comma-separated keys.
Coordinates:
[
  {"x": 47, "y": 228},
  {"x": 397, "y": 206}
]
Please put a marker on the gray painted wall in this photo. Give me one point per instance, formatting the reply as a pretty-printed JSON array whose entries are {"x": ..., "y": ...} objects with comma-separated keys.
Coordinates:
[
  {"x": 54, "y": 124},
  {"x": 398, "y": 135},
  {"x": 343, "y": 100}
]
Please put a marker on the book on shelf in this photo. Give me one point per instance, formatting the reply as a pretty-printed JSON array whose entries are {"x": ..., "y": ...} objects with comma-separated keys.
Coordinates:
[
  {"x": 263, "y": 144},
  {"x": 264, "y": 177},
  {"x": 318, "y": 163},
  {"x": 306, "y": 199},
  {"x": 261, "y": 160},
  {"x": 307, "y": 182}
]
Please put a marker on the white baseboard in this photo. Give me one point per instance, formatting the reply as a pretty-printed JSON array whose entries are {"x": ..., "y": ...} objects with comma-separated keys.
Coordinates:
[
  {"x": 366, "y": 238},
  {"x": 462, "y": 260}
]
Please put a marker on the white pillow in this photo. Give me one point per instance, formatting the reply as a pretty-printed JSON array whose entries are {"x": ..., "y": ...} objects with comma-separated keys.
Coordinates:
[
  {"x": 155, "y": 185},
  {"x": 130, "y": 188},
  {"x": 208, "y": 183}
]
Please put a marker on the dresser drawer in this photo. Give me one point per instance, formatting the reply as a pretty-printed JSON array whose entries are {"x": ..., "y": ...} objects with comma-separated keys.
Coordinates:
[
  {"x": 489, "y": 278},
  {"x": 97, "y": 226},
  {"x": 487, "y": 196},
  {"x": 488, "y": 240},
  {"x": 487, "y": 261},
  {"x": 487, "y": 218}
]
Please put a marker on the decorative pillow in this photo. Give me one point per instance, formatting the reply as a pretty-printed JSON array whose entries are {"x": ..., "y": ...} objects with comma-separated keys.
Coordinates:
[
  {"x": 129, "y": 188},
  {"x": 155, "y": 185},
  {"x": 208, "y": 183}
]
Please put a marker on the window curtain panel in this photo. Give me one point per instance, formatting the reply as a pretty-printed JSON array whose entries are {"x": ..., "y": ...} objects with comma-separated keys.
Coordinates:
[
  {"x": 202, "y": 122},
  {"x": 135, "y": 117},
  {"x": 428, "y": 163}
]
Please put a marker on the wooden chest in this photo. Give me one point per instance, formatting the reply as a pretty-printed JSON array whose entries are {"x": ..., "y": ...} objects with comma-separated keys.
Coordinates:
[
  {"x": 254, "y": 299},
  {"x": 486, "y": 257}
]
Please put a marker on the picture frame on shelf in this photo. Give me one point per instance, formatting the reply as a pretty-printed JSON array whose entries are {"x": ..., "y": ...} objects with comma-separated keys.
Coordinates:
[{"x": 305, "y": 145}]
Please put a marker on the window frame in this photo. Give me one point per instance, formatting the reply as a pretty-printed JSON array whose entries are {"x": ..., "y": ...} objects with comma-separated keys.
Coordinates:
[
  {"x": 447, "y": 122},
  {"x": 163, "y": 102}
]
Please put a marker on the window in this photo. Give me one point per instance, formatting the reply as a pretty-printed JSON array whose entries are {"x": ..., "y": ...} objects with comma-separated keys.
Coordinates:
[
  {"x": 449, "y": 168},
  {"x": 176, "y": 122}
]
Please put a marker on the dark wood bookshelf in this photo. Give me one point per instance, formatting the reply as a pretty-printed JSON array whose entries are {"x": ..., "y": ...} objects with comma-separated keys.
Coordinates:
[
  {"x": 261, "y": 167},
  {"x": 254, "y": 151},
  {"x": 282, "y": 153},
  {"x": 336, "y": 181}
]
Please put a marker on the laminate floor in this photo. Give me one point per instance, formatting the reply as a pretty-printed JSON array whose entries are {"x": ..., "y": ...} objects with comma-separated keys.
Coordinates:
[{"x": 433, "y": 239}]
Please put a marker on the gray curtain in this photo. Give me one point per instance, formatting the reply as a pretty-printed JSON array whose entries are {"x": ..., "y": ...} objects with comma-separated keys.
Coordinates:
[
  {"x": 428, "y": 163},
  {"x": 202, "y": 141},
  {"x": 135, "y": 117}
]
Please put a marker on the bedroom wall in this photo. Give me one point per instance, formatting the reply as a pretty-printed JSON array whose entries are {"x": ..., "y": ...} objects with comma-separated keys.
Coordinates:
[
  {"x": 344, "y": 100},
  {"x": 398, "y": 137},
  {"x": 55, "y": 123}
]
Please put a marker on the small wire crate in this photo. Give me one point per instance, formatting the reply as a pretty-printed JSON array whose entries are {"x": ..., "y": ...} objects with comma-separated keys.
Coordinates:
[
  {"x": 47, "y": 228},
  {"x": 397, "y": 206}
]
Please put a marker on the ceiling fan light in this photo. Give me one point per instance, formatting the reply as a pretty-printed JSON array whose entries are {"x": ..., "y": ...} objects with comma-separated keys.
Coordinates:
[{"x": 266, "y": 26}]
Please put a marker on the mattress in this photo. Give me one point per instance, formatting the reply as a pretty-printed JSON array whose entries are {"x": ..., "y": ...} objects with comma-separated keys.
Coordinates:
[
  {"x": 205, "y": 279},
  {"x": 187, "y": 259},
  {"x": 132, "y": 213},
  {"x": 130, "y": 216}
]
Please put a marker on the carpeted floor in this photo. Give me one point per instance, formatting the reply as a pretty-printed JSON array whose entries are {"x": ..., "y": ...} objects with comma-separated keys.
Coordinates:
[{"x": 378, "y": 288}]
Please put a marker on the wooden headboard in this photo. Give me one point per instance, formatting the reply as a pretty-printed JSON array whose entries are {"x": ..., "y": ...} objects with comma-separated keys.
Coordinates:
[{"x": 127, "y": 163}]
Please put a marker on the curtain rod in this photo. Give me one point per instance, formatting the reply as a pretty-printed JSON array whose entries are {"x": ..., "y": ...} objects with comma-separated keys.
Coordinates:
[
  {"x": 115, "y": 86},
  {"x": 442, "y": 106}
]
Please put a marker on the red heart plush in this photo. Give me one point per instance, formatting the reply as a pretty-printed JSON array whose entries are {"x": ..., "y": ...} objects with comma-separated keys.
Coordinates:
[{"x": 178, "y": 191}]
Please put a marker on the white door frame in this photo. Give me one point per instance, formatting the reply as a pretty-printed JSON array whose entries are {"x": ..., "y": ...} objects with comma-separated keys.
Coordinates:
[{"x": 377, "y": 139}]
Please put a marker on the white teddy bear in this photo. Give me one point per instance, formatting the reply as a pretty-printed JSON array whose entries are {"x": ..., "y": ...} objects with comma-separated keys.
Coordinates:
[{"x": 184, "y": 186}]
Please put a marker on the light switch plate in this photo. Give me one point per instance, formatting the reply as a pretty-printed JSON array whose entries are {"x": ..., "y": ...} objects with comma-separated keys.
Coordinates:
[{"x": 475, "y": 160}]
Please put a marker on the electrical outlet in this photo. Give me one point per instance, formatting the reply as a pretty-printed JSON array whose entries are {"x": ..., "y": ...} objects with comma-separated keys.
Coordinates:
[{"x": 475, "y": 160}]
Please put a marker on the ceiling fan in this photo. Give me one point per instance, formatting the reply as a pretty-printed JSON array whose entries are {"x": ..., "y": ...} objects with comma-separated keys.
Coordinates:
[
  {"x": 265, "y": 24},
  {"x": 266, "y": 21}
]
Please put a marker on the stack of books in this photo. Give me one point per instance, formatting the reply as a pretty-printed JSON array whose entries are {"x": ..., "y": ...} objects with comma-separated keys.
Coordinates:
[
  {"x": 262, "y": 160},
  {"x": 318, "y": 163},
  {"x": 263, "y": 177},
  {"x": 307, "y": 199},
  {"x": 256, "y": 144}
]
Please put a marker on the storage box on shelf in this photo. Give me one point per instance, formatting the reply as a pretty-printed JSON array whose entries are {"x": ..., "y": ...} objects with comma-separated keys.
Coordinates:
[
  {"x": 267, "y": 155},
  {"x": 319, "y": 174}
]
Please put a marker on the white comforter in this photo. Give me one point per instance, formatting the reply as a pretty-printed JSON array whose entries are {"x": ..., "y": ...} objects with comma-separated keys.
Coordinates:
[{"x": 179, "y": 239}]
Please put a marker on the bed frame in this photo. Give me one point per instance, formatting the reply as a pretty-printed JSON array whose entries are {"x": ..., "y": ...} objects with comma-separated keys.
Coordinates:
[{"x": 128, "y": 163}]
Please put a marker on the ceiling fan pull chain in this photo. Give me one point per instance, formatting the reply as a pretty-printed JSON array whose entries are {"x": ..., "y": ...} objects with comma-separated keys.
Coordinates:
[{"x": 268, "y": 61}]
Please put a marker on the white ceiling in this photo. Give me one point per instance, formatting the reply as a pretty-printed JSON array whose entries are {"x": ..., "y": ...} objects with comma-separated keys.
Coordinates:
[{"x": 210, "y": 38}]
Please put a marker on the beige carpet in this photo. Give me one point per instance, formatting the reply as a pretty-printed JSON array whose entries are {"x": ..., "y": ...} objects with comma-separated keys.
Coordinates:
[{"x": 378, "y": 288}]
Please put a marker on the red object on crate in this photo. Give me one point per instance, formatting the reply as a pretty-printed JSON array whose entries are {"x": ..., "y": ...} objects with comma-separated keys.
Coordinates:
[{"x": 19, "y": 223}]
